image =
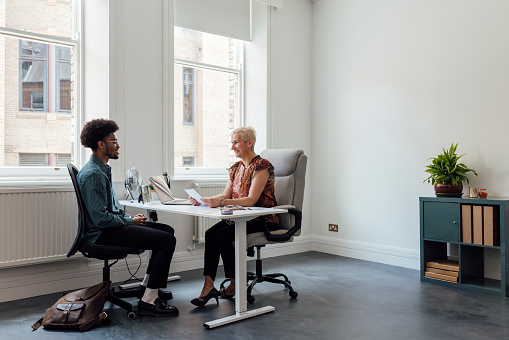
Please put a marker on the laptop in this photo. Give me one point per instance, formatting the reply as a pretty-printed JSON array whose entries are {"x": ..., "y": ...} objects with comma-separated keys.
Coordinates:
[{"x": 164, "y": 193}]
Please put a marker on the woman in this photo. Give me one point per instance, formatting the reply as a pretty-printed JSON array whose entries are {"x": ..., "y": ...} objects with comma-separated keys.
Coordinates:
[{"x": 251, "y": 183}]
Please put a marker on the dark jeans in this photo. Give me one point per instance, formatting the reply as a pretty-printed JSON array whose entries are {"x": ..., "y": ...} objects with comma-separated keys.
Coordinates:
[
  {"x": 219, "y": 242},
  {"x": 157, "y": 237}
]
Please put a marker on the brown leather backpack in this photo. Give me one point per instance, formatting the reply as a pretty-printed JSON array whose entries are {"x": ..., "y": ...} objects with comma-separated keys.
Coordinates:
[{"x": 81, "y": 309}]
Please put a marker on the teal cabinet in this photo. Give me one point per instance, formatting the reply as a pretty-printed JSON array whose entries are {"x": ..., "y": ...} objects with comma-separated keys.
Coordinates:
[
  {"x": 441, "y": 221},
  {"x": 441, "y": 230}
]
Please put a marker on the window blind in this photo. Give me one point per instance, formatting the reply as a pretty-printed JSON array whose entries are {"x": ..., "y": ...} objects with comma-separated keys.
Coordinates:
[{"x": 229, "y": 18}]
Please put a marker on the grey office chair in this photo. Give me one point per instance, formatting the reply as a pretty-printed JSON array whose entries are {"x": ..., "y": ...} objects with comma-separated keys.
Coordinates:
[{"x": 290, "y": 171}]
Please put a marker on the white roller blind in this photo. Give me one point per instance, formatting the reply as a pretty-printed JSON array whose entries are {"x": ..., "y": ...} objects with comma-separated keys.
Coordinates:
[{"x": 230, "y": 18}]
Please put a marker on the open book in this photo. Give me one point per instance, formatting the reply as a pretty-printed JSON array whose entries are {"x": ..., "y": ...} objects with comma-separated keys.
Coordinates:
[{"x": 164, "y": 193}]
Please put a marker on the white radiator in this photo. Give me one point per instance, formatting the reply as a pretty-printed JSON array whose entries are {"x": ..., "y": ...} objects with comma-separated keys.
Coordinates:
[
  {"x": 204, "y": 223},
  {"x": 36, "y": 227}
]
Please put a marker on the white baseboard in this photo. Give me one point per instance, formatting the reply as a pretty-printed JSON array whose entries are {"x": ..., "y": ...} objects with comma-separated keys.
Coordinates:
[
  {"x": 78, "y": 272},
  {"x": 369, "y": 252},
  {"x": 75, "y": 273}
]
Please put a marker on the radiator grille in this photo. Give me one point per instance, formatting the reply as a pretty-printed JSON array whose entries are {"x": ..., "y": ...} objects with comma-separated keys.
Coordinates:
[
  {"x": 204, "y": 223},
  {"x": 36, "y": 227}
]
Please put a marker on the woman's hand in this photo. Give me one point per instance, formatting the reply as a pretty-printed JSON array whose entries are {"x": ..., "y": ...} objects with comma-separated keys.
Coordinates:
[
  {"x": 139, "y": 219},
  {"x": 193, "y": 201},
  {"x": 212, "y": 202}
]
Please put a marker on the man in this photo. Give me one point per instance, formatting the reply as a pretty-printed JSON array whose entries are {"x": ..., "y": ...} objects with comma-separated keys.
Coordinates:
[{"x": 108, "y": 224}]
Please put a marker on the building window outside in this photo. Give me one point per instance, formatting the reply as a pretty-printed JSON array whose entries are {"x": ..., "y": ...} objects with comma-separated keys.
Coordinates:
[
  {"x": 39, "y": 84},
  {"x": 207, "y": 77},
  {"x": 32, "y": 75},
  {"x": 187, "y": 161},
  {"x": 188, "y": 99},
  {"x": 43, "y": 159}
]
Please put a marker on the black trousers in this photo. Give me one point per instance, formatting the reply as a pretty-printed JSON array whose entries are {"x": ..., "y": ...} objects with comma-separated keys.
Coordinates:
[
  {"x": 219, "y": 242},
  {"x": 153, "y": 236}
]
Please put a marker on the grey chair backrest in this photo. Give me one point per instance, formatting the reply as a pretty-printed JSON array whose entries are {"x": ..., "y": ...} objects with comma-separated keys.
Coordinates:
[{"x": 290, "y": 171}]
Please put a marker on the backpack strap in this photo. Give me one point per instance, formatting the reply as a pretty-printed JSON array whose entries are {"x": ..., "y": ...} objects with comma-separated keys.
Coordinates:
[
  {"x": 93, "y": 322},
  {"x": 38, "y": 324}
]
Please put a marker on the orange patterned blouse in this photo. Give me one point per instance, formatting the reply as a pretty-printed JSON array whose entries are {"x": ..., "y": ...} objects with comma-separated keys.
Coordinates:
[{"x": 241, "y": 178}]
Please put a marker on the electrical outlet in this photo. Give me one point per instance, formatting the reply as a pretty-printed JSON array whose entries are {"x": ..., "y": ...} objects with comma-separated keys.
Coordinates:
[{"x": 333, "y": 227}]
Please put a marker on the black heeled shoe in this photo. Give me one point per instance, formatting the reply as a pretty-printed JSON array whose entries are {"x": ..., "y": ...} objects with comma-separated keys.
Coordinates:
[{"x": 204, "y": 299}]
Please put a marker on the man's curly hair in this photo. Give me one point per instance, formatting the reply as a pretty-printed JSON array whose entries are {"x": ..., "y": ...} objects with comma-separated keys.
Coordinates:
[{"x": 95, "y": 131}]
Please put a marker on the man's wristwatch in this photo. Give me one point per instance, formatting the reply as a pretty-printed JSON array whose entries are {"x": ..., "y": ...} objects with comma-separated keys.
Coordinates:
[{"x": 223, "y": 200}]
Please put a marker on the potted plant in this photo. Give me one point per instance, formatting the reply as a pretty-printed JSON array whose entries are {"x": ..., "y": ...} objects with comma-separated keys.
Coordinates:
[{"x": 446, "y": 174}]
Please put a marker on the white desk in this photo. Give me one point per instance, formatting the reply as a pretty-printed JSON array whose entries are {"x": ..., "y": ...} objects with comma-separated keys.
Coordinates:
[{"x": 240, "y": 217}]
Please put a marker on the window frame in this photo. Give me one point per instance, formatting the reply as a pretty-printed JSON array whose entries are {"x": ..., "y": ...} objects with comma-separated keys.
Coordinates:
[
  {"x": 58, "y": 63},
  {"x": 46, "y": 176},
  {"x": 186, "y": 82}
]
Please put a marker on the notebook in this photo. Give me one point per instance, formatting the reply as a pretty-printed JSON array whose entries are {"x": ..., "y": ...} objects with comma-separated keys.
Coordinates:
[{"x": 164, "y": 192}]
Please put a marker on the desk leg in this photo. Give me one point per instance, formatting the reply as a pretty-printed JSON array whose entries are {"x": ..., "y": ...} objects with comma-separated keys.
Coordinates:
[{"x": 241, "y": 311}]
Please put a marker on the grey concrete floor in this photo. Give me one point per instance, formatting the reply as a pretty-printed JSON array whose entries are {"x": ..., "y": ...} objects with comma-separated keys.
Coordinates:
[{"x": 339, "y": 298}]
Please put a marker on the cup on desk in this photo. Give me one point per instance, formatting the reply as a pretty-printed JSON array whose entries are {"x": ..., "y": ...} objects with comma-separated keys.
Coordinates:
[{"x": 474, "y": 192}]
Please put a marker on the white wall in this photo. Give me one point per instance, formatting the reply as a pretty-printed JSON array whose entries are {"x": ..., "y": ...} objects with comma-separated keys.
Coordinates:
[
  {"x": 255, "y": 73},
  {"x": 396, "y": 81},
  {"x": 290, "y": 107}
]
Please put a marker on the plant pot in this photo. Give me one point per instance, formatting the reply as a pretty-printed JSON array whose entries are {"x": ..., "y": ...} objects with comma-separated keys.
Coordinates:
[{"x": 448, "y": 190}]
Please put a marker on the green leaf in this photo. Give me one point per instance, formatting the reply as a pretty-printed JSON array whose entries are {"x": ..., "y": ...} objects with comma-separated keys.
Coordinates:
[{"x": 445, "y": 168}]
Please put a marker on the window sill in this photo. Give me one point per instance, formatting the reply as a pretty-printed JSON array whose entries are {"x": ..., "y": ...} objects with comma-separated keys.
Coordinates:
[
  {"x": 200, "y": 178},
  {"x": 44, "y": 115},
  {"x": 32, "y": 184}
]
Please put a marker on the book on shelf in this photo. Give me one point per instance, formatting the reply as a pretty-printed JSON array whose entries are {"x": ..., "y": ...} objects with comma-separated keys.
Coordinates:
[
  {"x": 444, "y": 264},
  {"x": 451, "y": 273},
  {"x": 445, "y": 270},
  {"x": 466, "y": 223},
  {"x": 441, "y": 277},
  {"x": 477, "y": 227}
]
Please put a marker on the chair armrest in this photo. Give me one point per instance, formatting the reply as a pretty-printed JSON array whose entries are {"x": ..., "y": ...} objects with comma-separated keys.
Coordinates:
[{"x": 286, "y": 236}]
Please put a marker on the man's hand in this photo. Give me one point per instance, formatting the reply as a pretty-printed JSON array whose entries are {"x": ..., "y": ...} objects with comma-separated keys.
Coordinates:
[{"x": 140, "y": 219}]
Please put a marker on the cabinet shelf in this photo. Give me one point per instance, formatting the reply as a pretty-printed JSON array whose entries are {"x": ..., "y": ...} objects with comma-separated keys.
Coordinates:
[
  {"x": 443, "y": 222},
  {"x": 478, "y": 245},
  {"x": 463, "y": 244},
  {"x": 484, "y": 283}
]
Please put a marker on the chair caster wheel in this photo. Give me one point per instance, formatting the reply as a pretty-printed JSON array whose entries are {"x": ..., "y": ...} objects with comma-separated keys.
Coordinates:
[
  {"x": 131, "y": 315},
  {"x": 250, "y": 298},
  {"x": 294, "y": 295}
]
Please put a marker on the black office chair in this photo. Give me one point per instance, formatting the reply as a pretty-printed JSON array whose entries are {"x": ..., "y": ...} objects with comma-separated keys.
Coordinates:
[{"x": 101, "y": 252}]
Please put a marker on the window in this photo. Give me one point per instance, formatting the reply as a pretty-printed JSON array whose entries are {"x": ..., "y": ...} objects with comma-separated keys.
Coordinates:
[
  {"x": 33, "y": 75},
  {"x": 187, "y": 161},
  {"x": 207, "y": 74},
  {"x": 42, "y": 159},
  {"x": 39, "y": 41},
  {"x": 33, "y": 89}
]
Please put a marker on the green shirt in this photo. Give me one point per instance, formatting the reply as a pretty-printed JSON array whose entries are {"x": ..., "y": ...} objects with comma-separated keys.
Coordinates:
[{"x": 104, "y": 210}]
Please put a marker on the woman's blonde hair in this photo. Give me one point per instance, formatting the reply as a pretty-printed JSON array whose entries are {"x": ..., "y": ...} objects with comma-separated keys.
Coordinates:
[{"x": 246, "y": 133}]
